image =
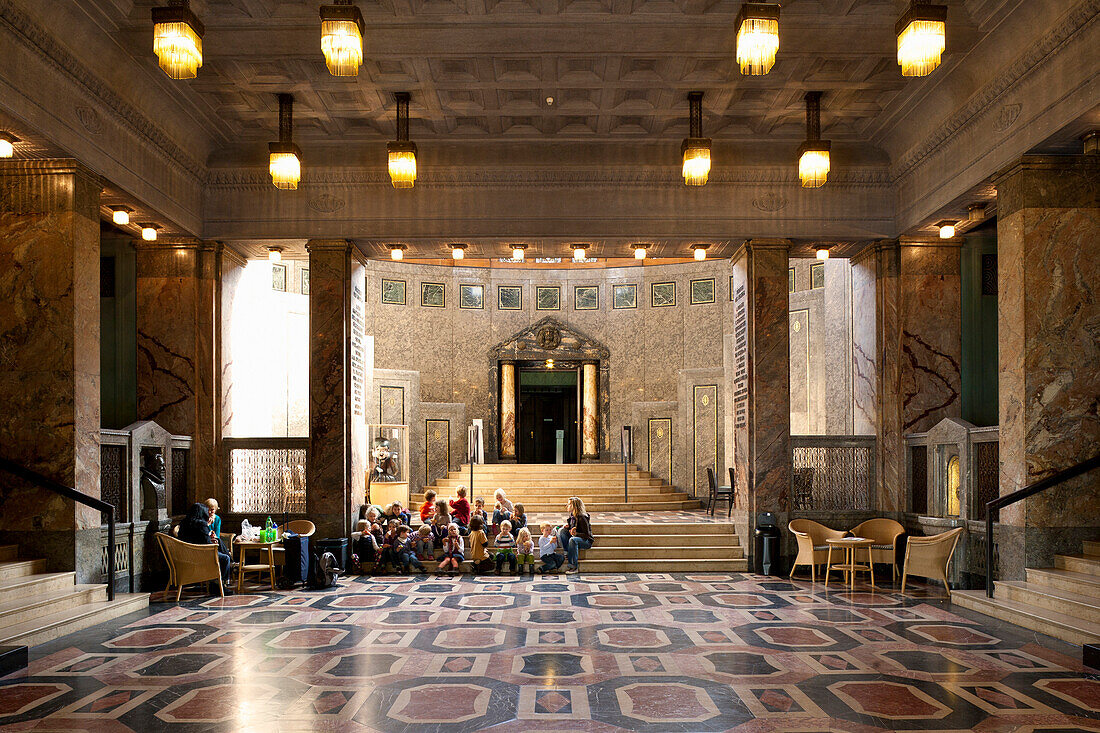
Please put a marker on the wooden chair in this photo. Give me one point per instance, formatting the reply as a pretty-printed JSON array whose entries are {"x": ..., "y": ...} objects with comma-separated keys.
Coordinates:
[
  {"x": 930, "y": 557},
  {"x": 733, "y": 487},
  {"x": 812, "y": 549},
  {"x": 885, "y": 533},
  {"x": 718, "y": 493},
  {"x": 189, "y": 563}
]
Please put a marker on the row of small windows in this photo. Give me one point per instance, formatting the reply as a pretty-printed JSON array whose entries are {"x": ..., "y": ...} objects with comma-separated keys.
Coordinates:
[{"x": 548, "y": 297}]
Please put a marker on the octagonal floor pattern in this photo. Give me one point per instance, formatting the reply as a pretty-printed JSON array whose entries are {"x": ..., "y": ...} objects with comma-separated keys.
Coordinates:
[{"x": 649, "y": 652}]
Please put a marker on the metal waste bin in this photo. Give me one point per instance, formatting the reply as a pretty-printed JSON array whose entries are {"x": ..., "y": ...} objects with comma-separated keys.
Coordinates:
[
  {"x": 338, "y": 546},
  {"x": 767, "y": 544}
]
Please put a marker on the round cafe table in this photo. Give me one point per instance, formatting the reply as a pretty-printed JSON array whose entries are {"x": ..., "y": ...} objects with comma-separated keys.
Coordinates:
[
  {"x": 850, "y": 566},
  {"x": 266, "y": 550}
]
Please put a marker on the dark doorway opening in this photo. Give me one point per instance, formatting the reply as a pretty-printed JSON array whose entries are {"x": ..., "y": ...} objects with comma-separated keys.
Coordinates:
[{"x": 547, "y": 408}]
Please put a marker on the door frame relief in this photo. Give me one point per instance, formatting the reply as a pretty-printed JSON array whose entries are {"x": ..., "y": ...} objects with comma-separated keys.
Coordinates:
[{"x": 546, "y": 339}]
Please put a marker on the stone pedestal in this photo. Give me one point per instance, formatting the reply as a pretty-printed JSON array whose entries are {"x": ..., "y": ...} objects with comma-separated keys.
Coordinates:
[
  {"x": 336, "y": 474},
  {"x": 177, "y": 323},
  {"x": 49, "y": 358},
  {"x": 508, "y": 411},
  {"x": 761, "y": 390},
  {"x": 590, "y": 408},
  {"x": 1048, "y": 251}
]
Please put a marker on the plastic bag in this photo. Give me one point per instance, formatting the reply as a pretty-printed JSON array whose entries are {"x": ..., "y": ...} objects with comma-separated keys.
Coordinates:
[{"x": 247, "y": 530}]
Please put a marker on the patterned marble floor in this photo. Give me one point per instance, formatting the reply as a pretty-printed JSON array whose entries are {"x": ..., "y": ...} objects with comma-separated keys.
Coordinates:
[{"x": 647, "y": 652}]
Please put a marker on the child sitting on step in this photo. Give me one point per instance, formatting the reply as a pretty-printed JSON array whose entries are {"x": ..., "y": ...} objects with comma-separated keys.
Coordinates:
[
  {"x": 479, "y": 556},
  {"x": 479, "y": 511},
  {"x": 525, "y": 549},
  {"x": 452, "y": 550},
  {"x": 440, "y": 522},
  {"x": 506, "y": 547},
  {"x": 406, "y": 552},
  {"x": 519, "y": 518},
  {"x": 422, "y": 541},
  {"x": 548, "y": 549},
  {"x": 388, "y": 550},
  {"x": 503, "y": 509},
  {"x": 427, "y": 509},
  {"x": 460, "y": 508}
]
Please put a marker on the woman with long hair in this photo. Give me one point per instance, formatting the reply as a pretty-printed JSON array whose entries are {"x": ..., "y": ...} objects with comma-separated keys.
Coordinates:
[
  {"x": 576, "y": 535},
  {"x": 195, "y": 529}
]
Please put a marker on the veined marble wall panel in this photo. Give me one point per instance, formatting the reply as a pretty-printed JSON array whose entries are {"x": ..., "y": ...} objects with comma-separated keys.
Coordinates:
[
  {"x": 864, "y": 344},
  {"x": 49, "y": 325},
  {"x": 804, "y": 380},
  {"x": 836, "y": 347},
  {"x": 931, "y": 334},
  {"x": 890, "y": 439},
  {"x": 702, "y": 427},
  {"x": 1049, "y": 317},
  {"x": 654, "y": 436},
  {"x": 176, "y": 291},
  {"x": 445, "y": 438},
  {"x": 391, "y": 405},
  {"x": 231, "y": 271}
]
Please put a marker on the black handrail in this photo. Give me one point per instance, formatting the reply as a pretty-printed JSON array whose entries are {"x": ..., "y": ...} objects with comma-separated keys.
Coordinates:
[
  {"x": 1003, "y": 501},
  {"x": 38, "y": 479}
]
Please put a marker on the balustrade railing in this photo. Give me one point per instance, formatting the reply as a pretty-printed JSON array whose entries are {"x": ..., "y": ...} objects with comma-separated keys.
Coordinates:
[
  {"x": 833, "y": 472},
  {"x": 266, "y": 475}
]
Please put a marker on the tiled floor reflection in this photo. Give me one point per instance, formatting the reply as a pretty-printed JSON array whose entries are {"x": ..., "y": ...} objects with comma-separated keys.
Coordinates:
[{"x": 649, "y": 652}]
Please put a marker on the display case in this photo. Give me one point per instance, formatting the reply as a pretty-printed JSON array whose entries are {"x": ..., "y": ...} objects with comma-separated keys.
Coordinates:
[{"x": 388, "y": 468}]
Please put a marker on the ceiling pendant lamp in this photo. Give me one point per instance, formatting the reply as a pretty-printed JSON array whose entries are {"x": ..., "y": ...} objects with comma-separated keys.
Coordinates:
[
  {"x": 402, "y": 153},
  {"x": 580, "y": 252},
  {"x": 695, "y": 149},
  {"x": 7, "y": 144},
  {"x": 813, "y": 155},
  {"x": 921, "y": 32},
  {"x": 458, "y": 251},
  {"x": 822, "y": 253},
  {"x": 519, "y": 252},
  {"x": 120, "y": 215},
  {"x": 946, "y": 228},
  {"x": 177, "y": 39},
  {"x": 342, "y": 37},
  {"x": 285, "y": 157},
  {"x": 757, "y": 37},
  {"x": 397, "y": 252},
  {"x": 699, "y": 251},
  {"x": 149, "y": 231},
  {"x": 640, "y": 251}
]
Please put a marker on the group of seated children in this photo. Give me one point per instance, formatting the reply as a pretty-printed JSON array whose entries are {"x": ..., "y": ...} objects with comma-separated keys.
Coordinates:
[{"x": 446, "y": 527}]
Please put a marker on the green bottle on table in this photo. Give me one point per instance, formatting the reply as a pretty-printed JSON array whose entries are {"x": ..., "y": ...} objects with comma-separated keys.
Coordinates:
[{"x": 267, "y": 530}]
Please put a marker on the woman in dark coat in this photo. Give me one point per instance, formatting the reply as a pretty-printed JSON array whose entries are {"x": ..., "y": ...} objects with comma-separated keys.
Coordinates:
[
  {"x": 195, "y": 530},
  {"x": 576, "y": 535}
]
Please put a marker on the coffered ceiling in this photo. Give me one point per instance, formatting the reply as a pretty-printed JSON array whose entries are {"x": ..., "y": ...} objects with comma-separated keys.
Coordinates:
[{"x": 484, "y": 69}]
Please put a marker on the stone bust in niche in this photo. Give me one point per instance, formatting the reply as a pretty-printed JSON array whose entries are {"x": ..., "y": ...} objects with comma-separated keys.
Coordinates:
[
  {"x": 153, "y": 497},
  {"x": 385, "y": 461}
]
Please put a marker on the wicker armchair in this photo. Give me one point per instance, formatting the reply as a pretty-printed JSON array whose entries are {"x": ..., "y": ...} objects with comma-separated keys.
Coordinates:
[
  {"x": 885, "y": 534},
  {"x": 812, "y": 549},
  {"x": 304, "y": 527},
  {"x": 930, "y": 557},
  {"x": 189, "y": 563}
]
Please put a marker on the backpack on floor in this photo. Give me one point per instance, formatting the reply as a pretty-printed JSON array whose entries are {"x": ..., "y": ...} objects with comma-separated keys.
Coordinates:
[{"x": 322, "y": 571}]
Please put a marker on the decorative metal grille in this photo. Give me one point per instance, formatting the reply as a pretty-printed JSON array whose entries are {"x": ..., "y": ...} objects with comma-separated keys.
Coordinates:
[
  {"x": 111, "y": 461},
  {"x": 181, "y": 459},
  {"x": 267, "y": 480},
  {"x": 976, "y": 559},
  {"x": 986, "y": 477},
  {"x": 122, "y": 558},
  {"x": 833, "y": 477},
  {"x": 918, "y": 479}
]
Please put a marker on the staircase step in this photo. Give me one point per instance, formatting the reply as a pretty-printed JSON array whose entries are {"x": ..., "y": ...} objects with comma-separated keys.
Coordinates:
[
  {"x": 633, "y": 539},
  {"x": 1062, "y": 602},
  {"x": 8, "y": 552},
  {"x": 662, "y": 528},
  {"x": 1092, "y": 549},
  {"x": 1067, "y": 580},
  {"x": 1058, "y": 625},
  {"x": 18, "y": 610},
  {"x": 35, "y": 584},
  {"x": 619, "y": 506},
  {"x": 650, "y": 552},
  {"x": 51, "y": 626},
  {"x": 1078, "y": 564},
  {"x": 21, "y": 568},
  {"x": 739, "y": 565}
]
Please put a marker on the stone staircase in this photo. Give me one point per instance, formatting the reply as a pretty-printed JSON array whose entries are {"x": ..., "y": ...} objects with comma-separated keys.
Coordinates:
[
  {"x": 658, "y": 543},
  {"x": 36, "y": 606},
  {"x": 1063, "y": 601},
  {"x": 547, "y": 487}
]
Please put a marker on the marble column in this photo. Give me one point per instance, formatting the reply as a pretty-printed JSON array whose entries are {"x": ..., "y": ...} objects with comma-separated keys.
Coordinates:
[
  {"x": 49, "y": 358},
  {"x": 761, "y": 389},
  {"x": 864, "y": 343},
  {"x": 590, "y": 408},
  {"x": 1048, "y": 251},
  {"x": 918, "y": 334},
  {"x": 508, "y": 410},
  {"x": 337, "y": 464},
  {"x": 177, "y": 317}
]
